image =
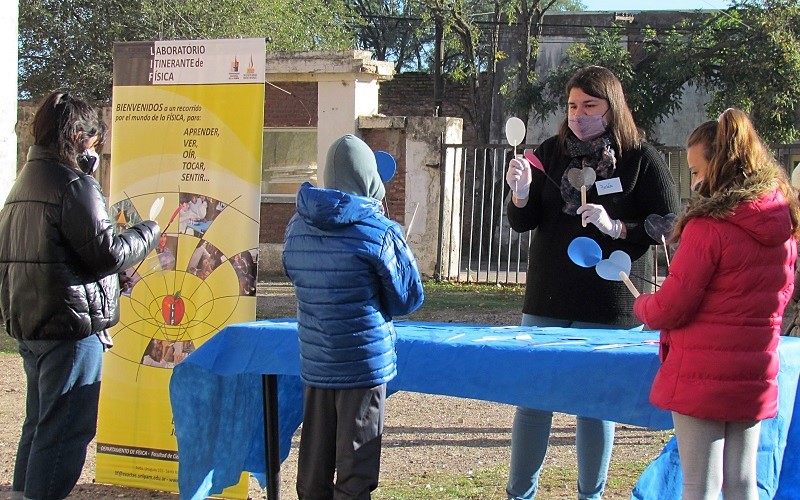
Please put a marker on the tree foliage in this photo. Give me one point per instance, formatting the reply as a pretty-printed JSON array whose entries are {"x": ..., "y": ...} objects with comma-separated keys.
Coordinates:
[
  {"x": 747, "y": 56},
  {"x": 394, "y": 30},
  {"x": 526, "y": 21},
  {"x": 69, "y": 43},
  {"x": 750, "y": 58},
  {"x": 478, "y": 34}
]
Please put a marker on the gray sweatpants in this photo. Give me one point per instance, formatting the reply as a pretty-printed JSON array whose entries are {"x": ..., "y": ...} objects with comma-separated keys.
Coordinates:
[
  {"x": 341, "y": 432},
  {"x": 717, "y": 456}
]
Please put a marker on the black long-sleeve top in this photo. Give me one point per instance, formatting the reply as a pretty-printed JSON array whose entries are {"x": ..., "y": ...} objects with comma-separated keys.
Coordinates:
[{"x": 558, "y": 288}]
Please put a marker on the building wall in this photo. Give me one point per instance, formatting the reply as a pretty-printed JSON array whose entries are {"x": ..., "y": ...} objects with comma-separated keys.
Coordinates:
[
  {"x": 411, "y": 94},
  {"x": 391, "y": 139},
  {"x": 291, "y": 104},
  {"x": 423, "y": 182}
]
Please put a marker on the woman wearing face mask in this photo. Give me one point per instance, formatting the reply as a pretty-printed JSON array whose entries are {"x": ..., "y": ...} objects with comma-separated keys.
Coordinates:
[
  {"x": 598, "y": 133},
  {"x": 59, "y": 291},
  {"x": 89, "y": 160}
]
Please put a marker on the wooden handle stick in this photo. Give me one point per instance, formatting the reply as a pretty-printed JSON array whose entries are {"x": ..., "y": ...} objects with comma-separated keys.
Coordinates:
[
  {"x": 628, "y": 283},
  {"x": 583, "y": 202}
]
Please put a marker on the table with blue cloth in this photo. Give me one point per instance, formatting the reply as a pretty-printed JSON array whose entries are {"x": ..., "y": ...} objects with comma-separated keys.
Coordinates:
[{"x": 217, "y": 394}]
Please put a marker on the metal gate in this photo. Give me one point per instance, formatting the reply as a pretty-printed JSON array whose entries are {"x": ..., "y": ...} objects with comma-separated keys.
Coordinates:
[
  {"x": 484, "y": 247},
  {"x": 487, "y": 250}
]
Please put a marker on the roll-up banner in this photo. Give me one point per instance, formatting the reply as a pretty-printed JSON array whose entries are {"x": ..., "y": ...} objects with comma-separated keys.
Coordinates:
[{"x": 186, "y": 140}]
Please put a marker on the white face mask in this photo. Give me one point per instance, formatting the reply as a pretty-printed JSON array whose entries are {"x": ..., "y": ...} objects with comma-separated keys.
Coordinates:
[
  {"x": 88, "y": 161},
  {"x": 587, "y": 127}
]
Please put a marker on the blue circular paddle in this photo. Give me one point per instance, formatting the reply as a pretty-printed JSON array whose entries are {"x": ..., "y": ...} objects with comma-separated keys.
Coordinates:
[
  {"x": 584, "y": 252},
  {"x": 386, "y": 165}
]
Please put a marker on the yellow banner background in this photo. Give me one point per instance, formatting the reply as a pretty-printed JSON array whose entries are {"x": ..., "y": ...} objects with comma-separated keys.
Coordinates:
[{"x": 179, "y": 142}]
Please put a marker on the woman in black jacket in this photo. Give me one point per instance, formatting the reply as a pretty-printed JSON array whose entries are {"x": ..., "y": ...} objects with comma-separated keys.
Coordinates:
[
  {"x": 598, "y": 135},
  {"x": 59, "y": 291}
]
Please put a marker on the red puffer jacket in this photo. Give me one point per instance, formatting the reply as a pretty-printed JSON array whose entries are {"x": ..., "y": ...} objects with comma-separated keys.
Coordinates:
[{"x": 720, "y": 308}]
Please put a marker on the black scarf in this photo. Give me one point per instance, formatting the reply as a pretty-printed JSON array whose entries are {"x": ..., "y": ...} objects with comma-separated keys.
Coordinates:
[{"x": 596, "y": 154}]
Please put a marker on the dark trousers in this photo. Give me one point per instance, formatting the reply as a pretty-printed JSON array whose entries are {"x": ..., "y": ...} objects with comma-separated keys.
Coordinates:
[
  {"x": 60, "y": 414},
  {"x": 341, "y": 432}
]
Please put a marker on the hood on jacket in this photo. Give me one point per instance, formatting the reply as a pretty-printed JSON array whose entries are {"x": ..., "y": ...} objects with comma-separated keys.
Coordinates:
[
  {"x": 766, "y": 219},
  {"x": 330, "y": 208},
  {"x": 351, "y": 167},
  {"x": 758, "y": 207}
]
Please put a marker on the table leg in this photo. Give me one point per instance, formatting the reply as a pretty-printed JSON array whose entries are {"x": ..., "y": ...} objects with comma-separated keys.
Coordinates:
[{"x": 271, "y": 438}]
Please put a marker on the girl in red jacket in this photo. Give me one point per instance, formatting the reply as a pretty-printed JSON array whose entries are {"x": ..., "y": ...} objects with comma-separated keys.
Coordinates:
[{"x": 720, "y": 308}]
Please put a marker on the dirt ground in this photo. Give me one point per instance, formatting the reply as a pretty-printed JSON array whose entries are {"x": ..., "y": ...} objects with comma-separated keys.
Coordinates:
[{"x": 425, "y": 435}]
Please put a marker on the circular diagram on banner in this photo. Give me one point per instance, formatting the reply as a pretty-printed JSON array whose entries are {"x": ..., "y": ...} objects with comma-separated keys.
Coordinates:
[{"x": 187, "y": 289}]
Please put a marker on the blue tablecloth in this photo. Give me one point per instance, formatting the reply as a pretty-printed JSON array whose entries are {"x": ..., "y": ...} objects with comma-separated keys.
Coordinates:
[{"x": 216, "y": 393}]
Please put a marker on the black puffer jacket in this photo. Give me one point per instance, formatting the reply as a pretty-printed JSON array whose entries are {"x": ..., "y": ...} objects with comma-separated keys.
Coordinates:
[{"x": 59, "y": 257}]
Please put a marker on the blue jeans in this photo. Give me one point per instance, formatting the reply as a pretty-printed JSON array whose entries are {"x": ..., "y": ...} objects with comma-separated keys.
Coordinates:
[
  {"x": 530, "y": 435},
  {"x": 63, "y": 378}
]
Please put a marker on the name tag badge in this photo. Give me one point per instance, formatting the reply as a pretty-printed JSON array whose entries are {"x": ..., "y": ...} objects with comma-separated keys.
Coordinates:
[{"x": 608, "y": 186}]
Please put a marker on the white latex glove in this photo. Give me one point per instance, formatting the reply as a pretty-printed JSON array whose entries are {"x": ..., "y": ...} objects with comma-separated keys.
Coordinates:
[
  {"x": 597, "y": 215},
  {"x": 519, "y": 177}
]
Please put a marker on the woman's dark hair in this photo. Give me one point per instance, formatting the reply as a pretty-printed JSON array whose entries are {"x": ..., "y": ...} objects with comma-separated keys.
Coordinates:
[
  {"x": 102, "y": 133},
  {"x": 65, "y": 124},
  {"x": 600, "y": 82}
]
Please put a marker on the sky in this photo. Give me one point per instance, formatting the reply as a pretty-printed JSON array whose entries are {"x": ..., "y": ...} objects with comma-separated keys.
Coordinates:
[{"x": 634, "y": 5}]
